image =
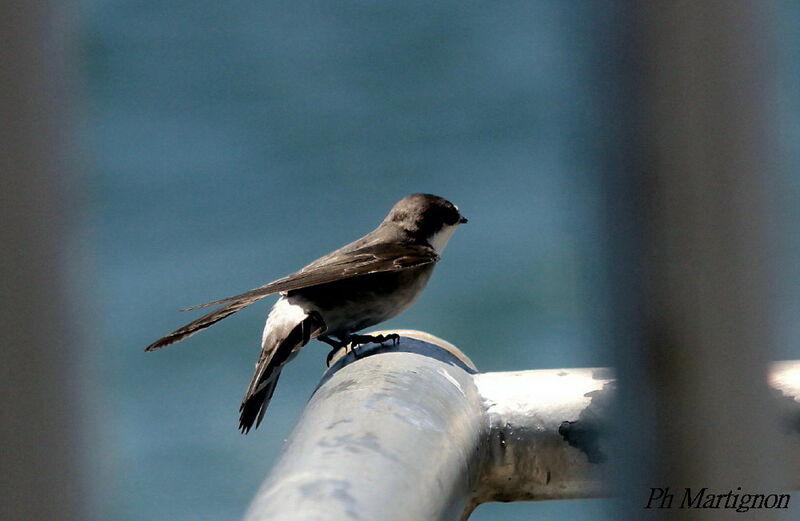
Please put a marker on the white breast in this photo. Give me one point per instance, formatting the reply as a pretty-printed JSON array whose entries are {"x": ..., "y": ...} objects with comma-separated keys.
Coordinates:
[{"x": 439, "y": 239}]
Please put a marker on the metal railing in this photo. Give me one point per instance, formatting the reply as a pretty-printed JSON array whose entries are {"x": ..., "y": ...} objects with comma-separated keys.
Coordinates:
[{"x": 413, "y": 431}]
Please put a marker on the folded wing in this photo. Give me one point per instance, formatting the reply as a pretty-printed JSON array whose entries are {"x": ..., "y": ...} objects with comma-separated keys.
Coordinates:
[{"x": 338, "y": 266}]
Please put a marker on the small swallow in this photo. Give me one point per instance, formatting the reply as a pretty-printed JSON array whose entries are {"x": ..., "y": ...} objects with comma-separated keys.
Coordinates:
[{"x": 361, "y": 284}]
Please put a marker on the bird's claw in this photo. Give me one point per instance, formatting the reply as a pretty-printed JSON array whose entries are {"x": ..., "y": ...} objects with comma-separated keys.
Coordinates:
[
  {"x": 358, "y": 340},
  {"x": 353, "y": 341}
]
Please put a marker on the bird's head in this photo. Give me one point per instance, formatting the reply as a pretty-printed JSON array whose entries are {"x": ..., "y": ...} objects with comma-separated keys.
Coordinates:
[{"x": 426, "y": 217}]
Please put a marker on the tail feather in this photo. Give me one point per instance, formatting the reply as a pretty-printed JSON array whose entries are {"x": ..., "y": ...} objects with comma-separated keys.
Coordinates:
[
  {"x": 200, "y": 323},
  {"x": 274, "y": 354},
  {"x": 253, "y": 407}
]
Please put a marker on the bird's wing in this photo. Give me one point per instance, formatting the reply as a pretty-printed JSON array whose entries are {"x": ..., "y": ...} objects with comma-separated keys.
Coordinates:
[
  {"x": 363, "y": 261},
  {"x": 338, "y": 266}
]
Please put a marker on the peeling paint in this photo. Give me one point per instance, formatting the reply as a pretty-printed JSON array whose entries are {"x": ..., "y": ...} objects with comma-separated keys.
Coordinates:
[
  {"x": 337, "y": 489},
  {"x": 356, "y": 444},
  {"x": 339, "y": 422},
  {"x": 591, "y": 426}
]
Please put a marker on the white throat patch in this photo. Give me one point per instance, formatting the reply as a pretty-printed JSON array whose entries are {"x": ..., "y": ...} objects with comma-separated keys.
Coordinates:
[{"x": 439, "y": 239}]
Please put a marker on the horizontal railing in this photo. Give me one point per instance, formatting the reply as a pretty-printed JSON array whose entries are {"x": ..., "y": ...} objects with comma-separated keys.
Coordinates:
[{"x": 413, "y": 431}]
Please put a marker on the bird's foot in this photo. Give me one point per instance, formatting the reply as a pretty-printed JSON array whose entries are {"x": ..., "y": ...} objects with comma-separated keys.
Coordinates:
[
  {"x": 353, "y": 341},
  {"x": 357, "y": 340},
  {"x": 348, "y": 348}
]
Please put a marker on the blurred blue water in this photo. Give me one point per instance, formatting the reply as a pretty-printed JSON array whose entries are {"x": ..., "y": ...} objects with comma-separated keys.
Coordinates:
[{"x": 230, "y": 143}]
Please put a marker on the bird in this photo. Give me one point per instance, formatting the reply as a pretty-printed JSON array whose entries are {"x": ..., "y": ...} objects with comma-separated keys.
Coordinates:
[{"x": 359, "y": 285}]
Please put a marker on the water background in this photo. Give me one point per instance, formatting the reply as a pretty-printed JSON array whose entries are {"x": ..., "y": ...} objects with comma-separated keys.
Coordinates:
[{"x": 227, "y": 144}]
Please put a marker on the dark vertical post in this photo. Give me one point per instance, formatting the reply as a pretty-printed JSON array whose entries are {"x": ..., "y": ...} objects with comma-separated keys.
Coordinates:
[
  {"x": 38, "y": 380},
  {"x": 704, "y": 170}
]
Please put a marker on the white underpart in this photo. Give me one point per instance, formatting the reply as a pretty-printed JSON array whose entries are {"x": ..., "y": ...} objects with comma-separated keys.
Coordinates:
[
  {"x": 287, "y": 311},
  {"x": 439, "y": 239}
]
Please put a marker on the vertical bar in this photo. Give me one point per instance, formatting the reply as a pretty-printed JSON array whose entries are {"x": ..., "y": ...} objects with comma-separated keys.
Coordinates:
[
  {"x": 38, "y": 395},
  {"x": 705, "y": 154}
]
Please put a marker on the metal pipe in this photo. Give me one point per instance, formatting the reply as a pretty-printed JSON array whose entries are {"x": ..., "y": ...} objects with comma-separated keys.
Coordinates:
[
  {"x": 390, "y": 437},
  {"x": 412, "y": 432},
  {"x": 545, "y": 434}
]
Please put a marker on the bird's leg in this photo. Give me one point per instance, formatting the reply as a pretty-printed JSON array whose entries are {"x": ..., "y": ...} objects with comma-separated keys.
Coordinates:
[
  {"x": 351, "y": 342},
  {"x": 335, "y": 346}
]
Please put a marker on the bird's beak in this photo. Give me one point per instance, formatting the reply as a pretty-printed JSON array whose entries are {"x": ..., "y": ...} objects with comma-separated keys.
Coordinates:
[{"x": 463, "y": 220}]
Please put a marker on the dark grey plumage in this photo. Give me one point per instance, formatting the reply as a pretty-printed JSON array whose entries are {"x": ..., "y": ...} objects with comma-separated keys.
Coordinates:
[
  {"x": 335, "y": 266},
  {"x": 359, "y": 285}
]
